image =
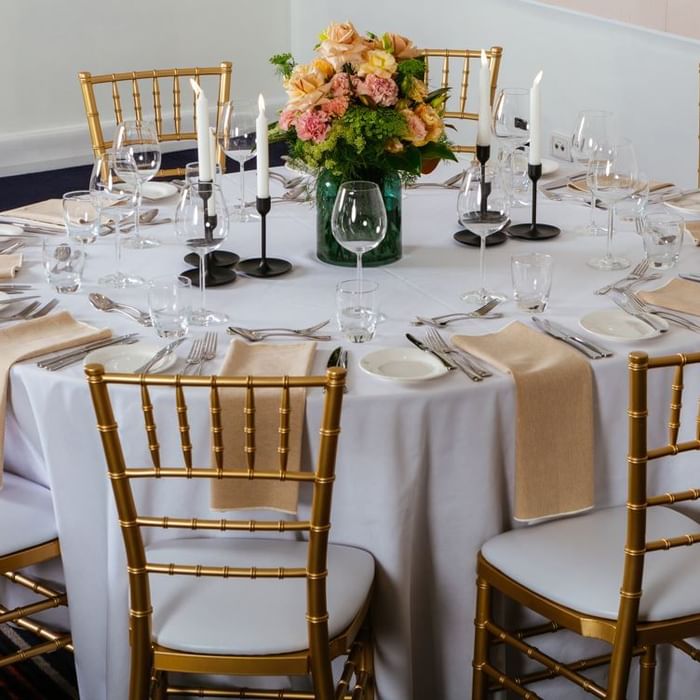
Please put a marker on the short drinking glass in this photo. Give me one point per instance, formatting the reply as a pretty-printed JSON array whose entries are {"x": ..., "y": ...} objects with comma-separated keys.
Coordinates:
[
  {"x": 532, "y": 280},
  {"x": 356, "y": 309},
  {"x": 63, "y": 262},
  {"x": 81, "y": 216},
  {"x": 169, "y": 305},
  {"x": 663, "y": 236}
]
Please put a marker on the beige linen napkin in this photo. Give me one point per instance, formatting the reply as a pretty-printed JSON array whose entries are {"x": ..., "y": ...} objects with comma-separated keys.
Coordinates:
[
  {"x": 693, "y": 228},
  {"x": 9, "y": 264},
  {"x": 48, "y": 212},
  {"x": 28, "y": 339},
  {"x": 677, "y": 295},
  {"x": 245, "y": 359},
  {"x": 554, "y": 419}
]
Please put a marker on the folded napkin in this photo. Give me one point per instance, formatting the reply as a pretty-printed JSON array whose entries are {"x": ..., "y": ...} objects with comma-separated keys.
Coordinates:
[
  {"x": 581, "y": 186},
  {"x": 27, "y": 339},
  {"x": 9, "y": 264},
  {"x": 676, "y": 295},
  {"x": 48, "y": 212},
  {"x": 554, "y": 418},
  {"x": 693, "y": 228},
  {"x": 245, "y": 359}
]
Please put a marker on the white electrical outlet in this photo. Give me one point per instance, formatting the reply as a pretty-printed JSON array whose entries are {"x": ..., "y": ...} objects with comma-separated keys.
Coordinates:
[{"x": 560, "y": 146}]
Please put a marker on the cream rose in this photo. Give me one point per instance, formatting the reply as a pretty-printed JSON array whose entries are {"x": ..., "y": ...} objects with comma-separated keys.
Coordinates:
[
  {"x": 341, "y": 44},
  {"x": 400, "y": 46},
  {"x": 378, "y": 62},
  {"x": 306, "y": 86}
]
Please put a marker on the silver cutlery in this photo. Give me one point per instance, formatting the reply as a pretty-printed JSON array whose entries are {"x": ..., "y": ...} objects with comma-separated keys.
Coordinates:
[
  {"x": 103, "y": 303},
  {"x": 300, "y": 331},
  {"x": 453, "y": 182},
  {"x": 435, "y": 343},
  {"x": 338, "y": 358},
  {"x": 255, "y": 336},
  {"x": 194, "y": 358},
  {"x": 647, "y": 319},
  {"x": 163, "y": 352},
  {"x": 77, "y": 354},
  {"x": 45, "y": 309},
  {"x": 672, "y": 316},
  {"x": 434, "y": 339},
  {"x": 15, "y": 301},
  {"x": 690, "y": 276},
  {"x": 155, "y": 222},
  {"x": 21, "y": 314},
  {"x": 211, "y": 341},
  {"x": 422, "y": 346},
  {"x": 562, "y": 181},
  {"x": 7, "y": 248},
  {"x": 592, "y": 350},
  {"x": 444, "y": 319},
  {"x": 81, "y": 355},
  {"x": 637, "y": 272},
  {"x": 287, "y": 181}
]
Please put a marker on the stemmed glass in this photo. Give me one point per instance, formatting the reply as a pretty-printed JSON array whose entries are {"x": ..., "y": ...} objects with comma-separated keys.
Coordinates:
[
  {"x": 113, "y": 198},
  {"x": 236, "y": 136},
  {"x": 612, "y": 173},
  {"x": 202, "y": 223},
  {"x": 592, "y": 128},
  {"x": 483, "y": 224},
  {"x": 510, "y": 124},
  {"x": 138, "y": 156},
  {"x": 359, "y": 219}
]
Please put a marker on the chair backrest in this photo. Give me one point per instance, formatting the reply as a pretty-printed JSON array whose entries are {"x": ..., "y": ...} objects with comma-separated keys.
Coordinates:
[
  {"x": 133, "y": 522},
  {"x": 170, "y": 126},
  {"x": 458, "y": 106},
  {"x": 640, "y": 454}
]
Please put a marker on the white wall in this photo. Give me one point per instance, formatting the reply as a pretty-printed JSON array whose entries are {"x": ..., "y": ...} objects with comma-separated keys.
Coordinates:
[
  {"x": 649, "y": 80},
  {"x": 44, "y": 43}
]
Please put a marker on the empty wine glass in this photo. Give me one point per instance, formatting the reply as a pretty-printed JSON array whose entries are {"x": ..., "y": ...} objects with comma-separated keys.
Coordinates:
[
  {"x": 138, "y": 156},
  {"x": 202, "y": 223},
  {"x": 510, "y": 124},
  {"x": 612, "y": 173},
  {"x": 482, "y": 220},
  {"x": 359, "y": 219},
  {"x": 236, "y": 136},
  {"x": 114, "y": 200},
  {"x": 593, "y": 127}
]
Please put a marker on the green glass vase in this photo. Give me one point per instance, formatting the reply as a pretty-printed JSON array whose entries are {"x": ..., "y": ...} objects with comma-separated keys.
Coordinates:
[{"x": 330, "y": 251}]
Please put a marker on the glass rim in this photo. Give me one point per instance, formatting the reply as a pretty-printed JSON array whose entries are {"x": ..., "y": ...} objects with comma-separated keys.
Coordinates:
[
  {"x": 367, "y": 286},
  {"x": 525, "y": 257},
  {"x": 359, "y": 185},
  {"x": 163, "y": 280},
  {"x": 75, "y": 194}
]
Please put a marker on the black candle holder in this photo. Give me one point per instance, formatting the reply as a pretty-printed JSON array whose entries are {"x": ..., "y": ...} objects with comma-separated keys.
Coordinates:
[
  {"x": 534, "y": 231},
  {"x": 263, "y": 266}
]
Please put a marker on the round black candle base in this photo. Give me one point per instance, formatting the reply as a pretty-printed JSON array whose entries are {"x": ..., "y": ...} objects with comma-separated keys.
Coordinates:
[
  {"x": 538, "y": 232},
  {"x": 217, "y": 258},
  {"x": 467, "y": 237},
  {"x": 264, "y": 267},
  {"x": 215, "y": 277}
]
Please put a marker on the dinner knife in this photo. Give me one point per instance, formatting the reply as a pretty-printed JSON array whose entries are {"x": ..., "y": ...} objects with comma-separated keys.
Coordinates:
[
  {"x": 425, "y": 348},
  {"x": 595, "y": 347},
  {"x": 338, "y": 358},
  {"x": 82, "y": 350},
  {"x": 577, "y": 345},
  {"x": 14, "y": 300},
  {"x": 143, "y": 369}
]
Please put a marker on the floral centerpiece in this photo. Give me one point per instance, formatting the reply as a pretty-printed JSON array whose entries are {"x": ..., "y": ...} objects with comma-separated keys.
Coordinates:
[{"x": 361, "y": 111}]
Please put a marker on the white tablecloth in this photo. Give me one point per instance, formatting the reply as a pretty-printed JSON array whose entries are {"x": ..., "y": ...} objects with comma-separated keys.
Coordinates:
[{"x": 425, "y": 472}]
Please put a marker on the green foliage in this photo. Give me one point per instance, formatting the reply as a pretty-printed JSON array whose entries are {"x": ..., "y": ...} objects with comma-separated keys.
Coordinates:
[
  {"x": 284, "y": 64},
  {"x": 412, "y": 67}
]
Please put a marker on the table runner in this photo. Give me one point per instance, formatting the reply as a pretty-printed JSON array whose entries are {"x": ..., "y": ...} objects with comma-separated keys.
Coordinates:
[
  {"x": 245, "y": 359},
  {"x": 554, "y": 419},
  {"x": 27, "y": 339}
]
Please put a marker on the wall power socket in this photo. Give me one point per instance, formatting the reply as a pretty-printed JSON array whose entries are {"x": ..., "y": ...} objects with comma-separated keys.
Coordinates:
[{"x": 560, "y": 146}]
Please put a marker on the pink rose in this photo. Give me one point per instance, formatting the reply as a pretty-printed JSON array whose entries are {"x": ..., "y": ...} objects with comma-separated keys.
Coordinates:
[
  {"x": 312, "y": 125},
  {"x": 383, "y": 92}
]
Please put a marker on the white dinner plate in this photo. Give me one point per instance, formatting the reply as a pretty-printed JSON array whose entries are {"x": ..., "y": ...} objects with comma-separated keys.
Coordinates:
[
  {"x": 617, "y": 325},
  {"x": 402, "y": 365},
  {"x": 686, "y": 204},
  {"x": 128, "y": 358},
  {"x": 10, "y": 230},
  {"x": 158, "y": 190},
  {"x": 549, "y": 166}
]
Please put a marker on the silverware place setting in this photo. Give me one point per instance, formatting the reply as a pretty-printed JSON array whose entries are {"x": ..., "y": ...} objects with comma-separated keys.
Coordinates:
[
  {"x": 668, "y": 315},
  {"x": 53, "y": 361},
  {"x": 465, "y": 361},
  {"x": 592, "y": 350},
  {"x": 256, "y": 334},
  {"x": 627, "y": 304},
  {"x": 639, "y": 273},
  {"x": 444, "y": 320}
]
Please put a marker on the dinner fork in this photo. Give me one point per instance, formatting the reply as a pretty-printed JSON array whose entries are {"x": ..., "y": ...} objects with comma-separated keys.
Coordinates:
[
  {"x": 194, "y": 357},
  {"x": 21, "y": 314},
  {"x": 445, "y": 319},
  {"x": 211, "y": 341},
  {"x": 255, "y": 336},
  {"x": 672, "y": 316},
  {"x": 45, "y": 309},
  {"x": 636, "y": 273},
  {"x": 434, "y": 337},
  {"x": 300, "y": 331}
]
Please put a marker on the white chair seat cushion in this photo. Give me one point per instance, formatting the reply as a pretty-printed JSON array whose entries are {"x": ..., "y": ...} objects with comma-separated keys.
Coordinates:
[
  {"x": 243, "y": 616},
  {"x": 578, "y": 562},
  {"x": 26, "y": 514}
]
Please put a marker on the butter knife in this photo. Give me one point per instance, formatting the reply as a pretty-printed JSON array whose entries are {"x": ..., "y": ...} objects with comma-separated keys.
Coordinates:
[
  {"x": 143, "y": 369},
  {"x": 590, "y": 354}
]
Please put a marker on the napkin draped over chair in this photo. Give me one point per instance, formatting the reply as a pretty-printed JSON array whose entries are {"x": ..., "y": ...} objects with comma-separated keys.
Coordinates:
[
  {"x": 245, "y": 359},
  {"x": 554, "y": 419}
]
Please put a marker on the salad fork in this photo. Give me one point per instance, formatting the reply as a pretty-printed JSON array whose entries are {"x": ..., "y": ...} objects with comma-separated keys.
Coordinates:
[
  {"x": 194, "y": 358},
  {"x": 434, "y": 338},
  {"x": 636, "y": 273},
  {"x": 211, "y": 341},
  {"x": 21, "y": 314}
]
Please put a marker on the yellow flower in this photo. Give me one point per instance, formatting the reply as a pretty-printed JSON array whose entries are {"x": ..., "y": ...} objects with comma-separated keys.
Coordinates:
[
  {"x": 394, "y": 145},
  {"x": 378, "y": 62},
  {"x": 305, "y": 87},
  {"x": 322, "y": 67},
  {"x": 417, "y": 90}
]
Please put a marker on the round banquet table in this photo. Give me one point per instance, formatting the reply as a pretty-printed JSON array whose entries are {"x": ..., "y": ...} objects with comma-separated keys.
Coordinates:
[{"x": 424, "y": 471}]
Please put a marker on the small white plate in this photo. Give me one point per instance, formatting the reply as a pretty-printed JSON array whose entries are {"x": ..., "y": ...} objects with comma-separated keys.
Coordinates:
[
  {"x": 402, "y": 365},
  {"x": 686, "y": 204},
  {"x": 128, "y": 358},
  {"x": 10, "y": 230},
  {"x": 549, "y": 166},
  {"x": 615, "y": 324},
  {"x": 158, "y": 190}
]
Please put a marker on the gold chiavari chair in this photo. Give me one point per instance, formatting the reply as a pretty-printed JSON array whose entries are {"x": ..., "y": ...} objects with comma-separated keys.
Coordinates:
[
  {"x": 441, "y": 59},
  {"x": 569, "y": 571},
  {"x": 169, "y": 127},
  {"x": 27, "y": 537},
  {"x": 248, "y": 606}
]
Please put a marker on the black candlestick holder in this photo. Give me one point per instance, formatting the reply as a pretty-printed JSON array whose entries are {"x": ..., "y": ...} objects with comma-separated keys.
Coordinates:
[
  {"x": 263, "y": 266},
  {"x": 534, "y": 231}
]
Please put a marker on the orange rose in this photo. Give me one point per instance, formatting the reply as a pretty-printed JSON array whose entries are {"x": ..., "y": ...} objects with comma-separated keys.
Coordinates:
[
  {"x": 432, "y": 120},
  {"x": 341, "y": 44},
  {"x": 306, "y": 86},
  {"x": 400, "y": 46}
]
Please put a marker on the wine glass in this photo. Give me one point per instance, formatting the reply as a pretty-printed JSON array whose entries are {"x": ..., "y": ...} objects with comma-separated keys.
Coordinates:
[
  {"x": 236, "y": 136},
  {"x": 202, "y": 222},
  {"x": 116, "y": 200},
  {"x": 482, "y": 220},
  {"x": 359, "y": 219},
  {"x": 510, "y": 124},
  {"x": 593, "y": 127},
  {"x": 612, "y": 173},
  {"x": 138, "y": 160}
]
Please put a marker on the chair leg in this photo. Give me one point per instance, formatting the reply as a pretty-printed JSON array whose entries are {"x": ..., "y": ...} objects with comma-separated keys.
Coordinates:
[
  {"x": 368, "y": 664},
  {"x": 647, "y": 666},
  {"x": 481, "y": 640}
]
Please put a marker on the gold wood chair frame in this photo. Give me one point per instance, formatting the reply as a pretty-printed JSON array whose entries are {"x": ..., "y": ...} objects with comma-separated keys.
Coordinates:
[
  {"x": 10, "y": 564},
  {"x": 131, "y": 80},
  {"x": 494, "y": 55},
  {"x": 150, "y": 661},
  {"x": 628, "y": 635}
]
